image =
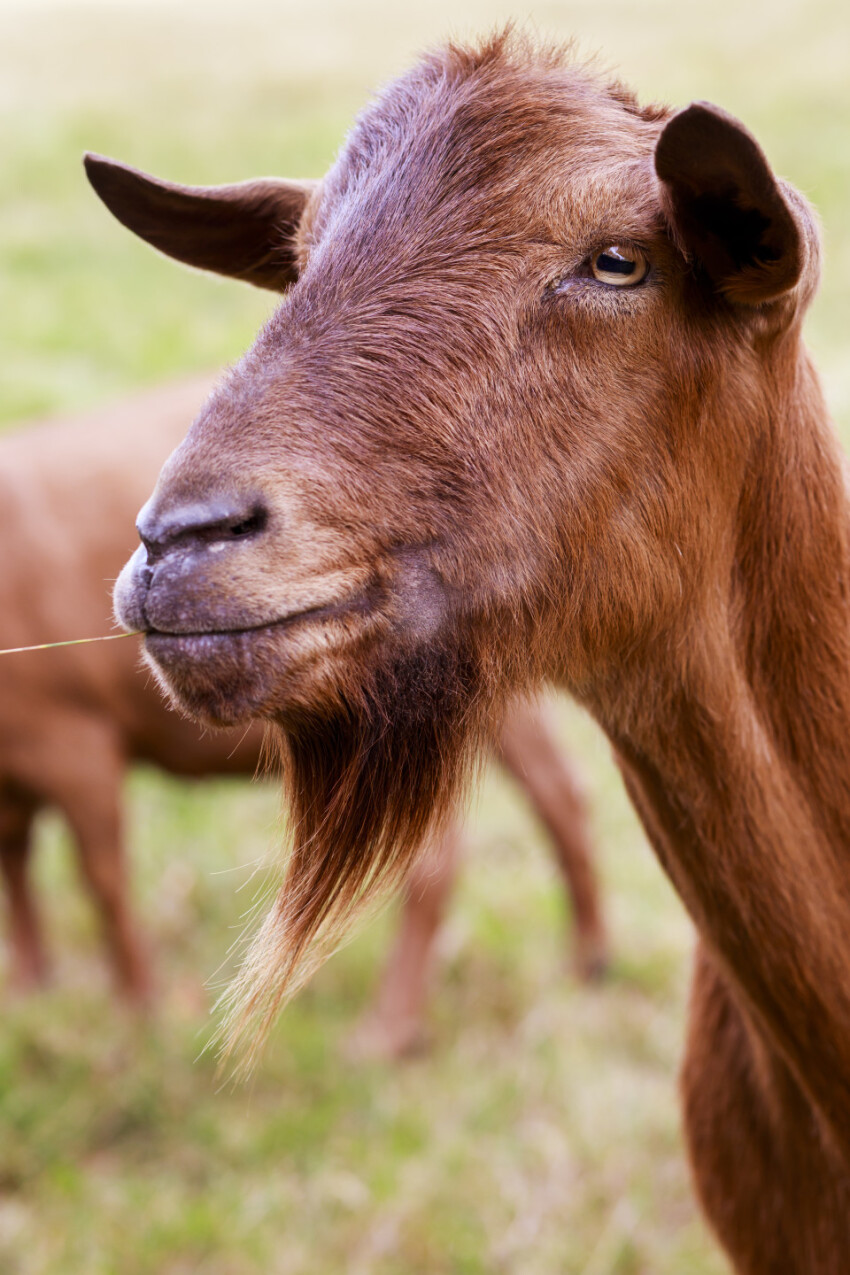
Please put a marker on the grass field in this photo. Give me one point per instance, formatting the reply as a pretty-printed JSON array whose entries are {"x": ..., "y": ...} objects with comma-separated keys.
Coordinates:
[{"x": 540, "y": 1135}]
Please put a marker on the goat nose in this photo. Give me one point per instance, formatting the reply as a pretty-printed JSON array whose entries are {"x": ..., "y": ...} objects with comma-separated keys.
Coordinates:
[{"x": 214, "y": 521}]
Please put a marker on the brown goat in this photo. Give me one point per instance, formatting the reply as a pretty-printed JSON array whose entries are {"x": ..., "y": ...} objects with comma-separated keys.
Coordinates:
[
  {"x": 71, "y": 720},
  {"x": 538, "y": 407}
]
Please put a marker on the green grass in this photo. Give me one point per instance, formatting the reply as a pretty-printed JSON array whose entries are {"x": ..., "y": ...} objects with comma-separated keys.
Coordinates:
[{"x": 541, "y": 1133}]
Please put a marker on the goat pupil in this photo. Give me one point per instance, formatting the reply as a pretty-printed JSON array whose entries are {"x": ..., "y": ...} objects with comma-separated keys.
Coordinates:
[{"x": 615, "y": 264}]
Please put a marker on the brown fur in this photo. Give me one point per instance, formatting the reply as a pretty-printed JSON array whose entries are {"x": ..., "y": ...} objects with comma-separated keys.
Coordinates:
[
  {"x": 71, "y": 720},
  {"x": 394, "y": 1025},
  {"x": 462, "y": 455}
]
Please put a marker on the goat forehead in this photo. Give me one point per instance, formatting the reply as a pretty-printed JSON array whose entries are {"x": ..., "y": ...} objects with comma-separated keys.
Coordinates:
[
  {"x": 389, "y": 285},
  {"x": 443, "y": 184},
  {"x": 418, "y": 230},
  {"x": 436, "y": 151}
]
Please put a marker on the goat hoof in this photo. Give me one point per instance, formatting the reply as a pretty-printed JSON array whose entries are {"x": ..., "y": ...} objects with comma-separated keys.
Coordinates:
[
  {"x": 592, "y": 961},
  {"x": 386, "y": 1040}
]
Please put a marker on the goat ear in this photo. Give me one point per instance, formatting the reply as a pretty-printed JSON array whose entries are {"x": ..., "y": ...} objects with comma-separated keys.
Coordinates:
[
  {"x": 246, "y": 231},
  {"x": 726, "y": 207}
]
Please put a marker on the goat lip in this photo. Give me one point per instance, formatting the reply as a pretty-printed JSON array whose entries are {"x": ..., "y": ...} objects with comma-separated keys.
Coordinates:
[
  {"x": 223, "y": 677},
  {"x": 361, "y": 602}
]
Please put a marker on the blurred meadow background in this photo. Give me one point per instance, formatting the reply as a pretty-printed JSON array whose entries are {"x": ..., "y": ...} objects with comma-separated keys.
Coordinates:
[{"x": 540, "y": 1133}]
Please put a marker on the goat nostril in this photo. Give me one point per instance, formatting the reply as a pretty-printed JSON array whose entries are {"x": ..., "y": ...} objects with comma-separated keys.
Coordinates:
[
  {"x": 196, "y": 525},
  {"x": 251, "y": 525},
  {"x": 152, "y": 549}
]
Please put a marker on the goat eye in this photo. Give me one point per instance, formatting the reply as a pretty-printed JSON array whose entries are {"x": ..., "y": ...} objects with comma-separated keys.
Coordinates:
[{"x": 619, "y": 266}]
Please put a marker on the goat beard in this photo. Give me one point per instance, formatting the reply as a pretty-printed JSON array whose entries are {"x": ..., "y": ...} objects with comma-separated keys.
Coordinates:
[{"x": 368, "y": 785}]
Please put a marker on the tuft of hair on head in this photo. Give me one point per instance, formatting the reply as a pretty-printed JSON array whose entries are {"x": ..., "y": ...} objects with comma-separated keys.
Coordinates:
[{"x": 367, "y": 785}]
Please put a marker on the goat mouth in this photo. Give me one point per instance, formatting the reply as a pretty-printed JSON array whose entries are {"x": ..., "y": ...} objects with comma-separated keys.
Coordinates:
[
  {"x": 362, "y": 603},
  {"x": 204, "y": 641},
  {"x": 227, "y": 675}
]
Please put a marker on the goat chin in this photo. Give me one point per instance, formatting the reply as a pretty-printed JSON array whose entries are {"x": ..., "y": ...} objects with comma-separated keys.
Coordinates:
[{"x": 368, "y": 783}]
